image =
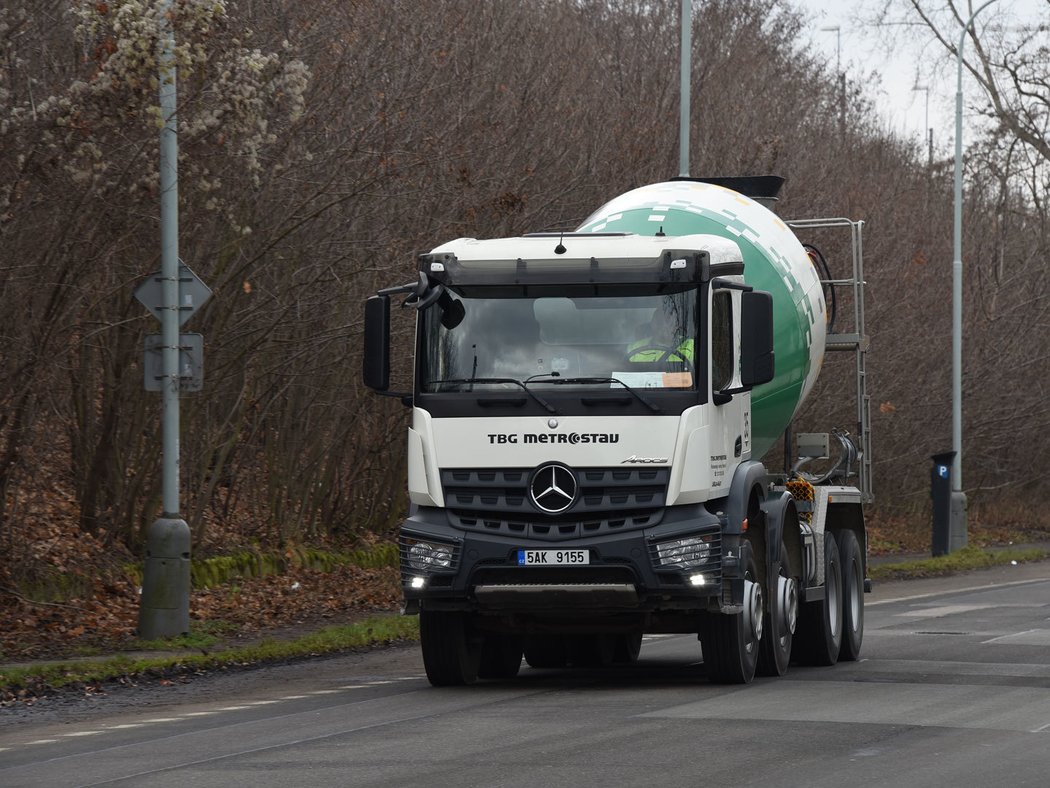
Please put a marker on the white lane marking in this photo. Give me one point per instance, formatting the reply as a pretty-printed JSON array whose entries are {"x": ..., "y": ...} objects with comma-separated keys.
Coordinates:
[
  {"x": 1011, "y": 635},
  {"x": 967, "y": 590},
  {"x": 945, "y": 610},
  {"x": 1041, "y": 728},
  {"x": 247, "y": 705},
  {"x": 1029, "y": 637}
]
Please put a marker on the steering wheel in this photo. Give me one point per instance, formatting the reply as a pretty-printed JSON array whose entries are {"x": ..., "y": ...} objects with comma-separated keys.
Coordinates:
[{"x": 666, "y": 352}]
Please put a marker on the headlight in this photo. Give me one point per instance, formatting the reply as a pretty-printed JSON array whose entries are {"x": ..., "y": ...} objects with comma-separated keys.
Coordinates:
[
  {"x": 426, "y": 557},
  {"x": 683, "y": 553}
]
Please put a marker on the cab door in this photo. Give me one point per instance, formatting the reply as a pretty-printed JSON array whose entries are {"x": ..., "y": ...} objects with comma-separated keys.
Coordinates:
[{"x": 730, "y": 412}]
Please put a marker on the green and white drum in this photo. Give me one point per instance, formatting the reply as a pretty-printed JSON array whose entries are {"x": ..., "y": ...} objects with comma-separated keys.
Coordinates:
[{"x": 774, "y": 261}]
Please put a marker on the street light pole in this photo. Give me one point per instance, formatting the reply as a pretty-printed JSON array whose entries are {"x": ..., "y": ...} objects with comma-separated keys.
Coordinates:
[
  {"x": 927, "y": 129},
  {"x": 841, "y": 77},
  {"x": 957, "y": 526},
  {"x": 685, "y": 79},
  {"x": 164, "y": 606}
]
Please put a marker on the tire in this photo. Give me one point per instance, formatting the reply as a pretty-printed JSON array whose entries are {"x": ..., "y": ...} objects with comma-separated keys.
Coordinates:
[
  {"x": 774, "y": 655},
  {"x": 451, "y": 650},
  {"x": 545, "y": 651},
  {"x": 500, "y": 656},
  {"x": 852, "y": 597},
  {"x": 818, "y": 638},
  {"x": 626, "y": 648},
  {"x": 731, "y": 644}
]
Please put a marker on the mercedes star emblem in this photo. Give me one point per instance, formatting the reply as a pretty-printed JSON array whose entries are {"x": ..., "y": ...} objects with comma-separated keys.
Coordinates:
[{"x": 553, "y": 488}]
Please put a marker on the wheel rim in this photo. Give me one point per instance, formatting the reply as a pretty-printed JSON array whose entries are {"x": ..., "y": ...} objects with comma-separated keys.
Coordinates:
[
  {"x": 854, "y": 597},
  {"x": 787, "y": 592},
  {"x": 753, "y": 610},
  {"x": 833, "y": 591}
]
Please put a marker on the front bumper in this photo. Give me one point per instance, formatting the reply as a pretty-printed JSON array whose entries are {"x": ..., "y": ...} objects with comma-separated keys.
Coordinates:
[{"x": 623, "y": 575}]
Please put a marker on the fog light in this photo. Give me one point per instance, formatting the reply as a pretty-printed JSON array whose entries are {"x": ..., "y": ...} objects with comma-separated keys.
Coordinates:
[
  {"x": 698, "y": 580},
  {"x": 417, "y": 582}
]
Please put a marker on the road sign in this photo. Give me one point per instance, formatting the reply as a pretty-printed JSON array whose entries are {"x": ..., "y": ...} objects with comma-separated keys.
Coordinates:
[
  {"x": 191, "y": 362},
  {"x": 193, "y": 293}
]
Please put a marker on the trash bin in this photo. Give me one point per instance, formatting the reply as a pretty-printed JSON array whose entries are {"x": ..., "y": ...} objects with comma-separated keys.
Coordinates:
[{"x": 941, "y": 492}]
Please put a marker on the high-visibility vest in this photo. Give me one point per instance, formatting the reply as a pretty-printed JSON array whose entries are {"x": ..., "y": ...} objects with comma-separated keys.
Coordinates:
[{"x": 684, "y": 352}]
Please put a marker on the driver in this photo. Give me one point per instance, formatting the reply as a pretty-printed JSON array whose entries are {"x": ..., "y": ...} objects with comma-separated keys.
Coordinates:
[{"x": 663, "y": 341}]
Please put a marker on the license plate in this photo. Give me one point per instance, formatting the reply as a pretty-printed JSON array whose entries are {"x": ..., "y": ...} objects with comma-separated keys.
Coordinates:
[{"x": 553, "y": 557}]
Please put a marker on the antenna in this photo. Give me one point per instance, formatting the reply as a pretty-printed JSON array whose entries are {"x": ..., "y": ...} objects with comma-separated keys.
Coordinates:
[{"x": 560, "y": 248}]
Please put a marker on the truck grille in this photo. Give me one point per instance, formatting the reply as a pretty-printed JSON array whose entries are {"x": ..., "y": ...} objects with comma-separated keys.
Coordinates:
[{"x": 609, "y": 500}]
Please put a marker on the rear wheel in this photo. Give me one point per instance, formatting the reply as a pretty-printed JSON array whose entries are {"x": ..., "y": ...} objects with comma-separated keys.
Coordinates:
[
  {"x": 852, "y": 596},
  {"x": 731, "y": 643},
  {"x": 451, "y": 648},
  {"x": 781, "y": 619},
  {"x": 819, "y": 635},
  {"x": 500, "y": 656}
]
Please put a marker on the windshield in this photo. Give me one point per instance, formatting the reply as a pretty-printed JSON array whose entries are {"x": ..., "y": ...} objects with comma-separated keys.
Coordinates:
[{"x": 644, "y": 341}]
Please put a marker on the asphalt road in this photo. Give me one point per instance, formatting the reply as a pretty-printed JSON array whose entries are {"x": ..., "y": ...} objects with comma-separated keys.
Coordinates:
[{"x": 953, "y": 690}]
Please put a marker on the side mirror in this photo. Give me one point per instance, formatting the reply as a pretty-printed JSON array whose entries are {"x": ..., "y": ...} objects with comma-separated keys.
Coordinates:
[
  {"x": 756, "y": 338},
  {"x": 376, "y": 358}
]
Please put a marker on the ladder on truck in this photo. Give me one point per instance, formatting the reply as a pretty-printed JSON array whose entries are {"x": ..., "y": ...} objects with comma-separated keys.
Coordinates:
[{"x": 855, "y": 339}]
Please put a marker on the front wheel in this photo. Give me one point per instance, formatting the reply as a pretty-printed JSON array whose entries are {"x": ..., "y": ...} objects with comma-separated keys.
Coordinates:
[
  {"x": 730, "y": 644},
  {"x": 451, "y": 648}
]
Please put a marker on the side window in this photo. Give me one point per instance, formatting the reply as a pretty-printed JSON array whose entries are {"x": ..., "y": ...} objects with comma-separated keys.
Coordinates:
[{"x": 721, "y": 339}]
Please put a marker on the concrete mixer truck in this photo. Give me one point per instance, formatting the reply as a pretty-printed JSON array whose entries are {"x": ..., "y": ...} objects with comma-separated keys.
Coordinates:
[{"x": 590, "y": 410}]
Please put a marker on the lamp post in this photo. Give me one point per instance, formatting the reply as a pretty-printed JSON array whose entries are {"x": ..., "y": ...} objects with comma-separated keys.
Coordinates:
[
  {"x": 164, "y": 609},
  {"x": 685, "y": 79},
  {"x": 837, "y": 30},
  {"x": 957, "y": 527},
  {"x": 927, "y": 128}
]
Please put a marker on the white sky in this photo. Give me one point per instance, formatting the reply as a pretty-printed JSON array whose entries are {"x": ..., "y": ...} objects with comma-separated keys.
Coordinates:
[{"x": 902, "y": 108}]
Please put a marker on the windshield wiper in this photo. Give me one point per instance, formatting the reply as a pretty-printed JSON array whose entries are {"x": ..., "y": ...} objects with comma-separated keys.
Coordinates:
[
  {"x": 560, "y": 381},
  {"x": 514, "y": 381}
]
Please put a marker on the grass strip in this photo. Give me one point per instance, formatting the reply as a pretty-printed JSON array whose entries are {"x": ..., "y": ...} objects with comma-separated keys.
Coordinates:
[
  {"x": 964, "y": 560},
  {"x": 370, "y": 632}
]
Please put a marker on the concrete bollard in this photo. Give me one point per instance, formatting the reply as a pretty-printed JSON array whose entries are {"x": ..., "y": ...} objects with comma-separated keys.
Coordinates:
[{"x": 164, "y": 610}]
